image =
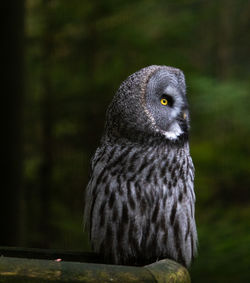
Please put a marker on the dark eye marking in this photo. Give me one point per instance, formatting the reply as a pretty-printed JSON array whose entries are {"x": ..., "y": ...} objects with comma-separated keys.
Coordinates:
[{"x": 169, "y": 98}]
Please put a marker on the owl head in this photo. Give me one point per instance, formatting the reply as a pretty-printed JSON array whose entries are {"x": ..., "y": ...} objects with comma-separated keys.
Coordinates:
[{"x": 150, "y": 103}]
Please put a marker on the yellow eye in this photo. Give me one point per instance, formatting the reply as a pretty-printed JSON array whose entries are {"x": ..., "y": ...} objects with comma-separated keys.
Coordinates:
[{"x": 164, "y": 101}]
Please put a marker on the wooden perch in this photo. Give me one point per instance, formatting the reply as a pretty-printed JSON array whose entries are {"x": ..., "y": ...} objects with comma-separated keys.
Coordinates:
[{"x": 58, "y": 269}]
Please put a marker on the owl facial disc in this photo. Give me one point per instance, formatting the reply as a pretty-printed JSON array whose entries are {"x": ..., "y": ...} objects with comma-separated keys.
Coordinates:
[{"x": 166, "y": 101}]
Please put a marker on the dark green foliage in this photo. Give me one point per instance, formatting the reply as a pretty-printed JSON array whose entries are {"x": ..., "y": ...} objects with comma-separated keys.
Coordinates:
[{"x": 77, "y": 54}]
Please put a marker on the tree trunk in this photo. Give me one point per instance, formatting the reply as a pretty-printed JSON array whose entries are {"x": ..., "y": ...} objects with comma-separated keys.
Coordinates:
[
  {"x": 47, "y": 121},
  {"x": 12, "y": 91},
  {"x": 224, "y": 39}
]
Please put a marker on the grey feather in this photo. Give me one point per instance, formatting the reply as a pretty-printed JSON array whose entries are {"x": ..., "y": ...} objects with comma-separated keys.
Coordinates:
[{"x": 139, "y": 203}]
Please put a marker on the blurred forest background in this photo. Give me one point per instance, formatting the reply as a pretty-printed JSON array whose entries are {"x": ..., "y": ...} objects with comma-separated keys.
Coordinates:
[{"x": 63, "y": 61}]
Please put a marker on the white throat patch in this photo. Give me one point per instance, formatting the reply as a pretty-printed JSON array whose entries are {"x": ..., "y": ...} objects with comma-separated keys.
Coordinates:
[{"x": 173, "y": 132}]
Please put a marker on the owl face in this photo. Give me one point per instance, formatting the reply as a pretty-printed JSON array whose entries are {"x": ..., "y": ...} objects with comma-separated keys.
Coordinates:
[
  {"x": 149, "y": 103},
  {"x": 166, "y": 103}
]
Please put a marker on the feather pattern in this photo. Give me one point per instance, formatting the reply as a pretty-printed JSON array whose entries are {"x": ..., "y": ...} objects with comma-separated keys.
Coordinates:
[{"x": 140, "y": 199}]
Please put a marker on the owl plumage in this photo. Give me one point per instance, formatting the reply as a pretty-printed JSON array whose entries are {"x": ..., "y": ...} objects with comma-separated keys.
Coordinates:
[{"x": 139, "y": 203}]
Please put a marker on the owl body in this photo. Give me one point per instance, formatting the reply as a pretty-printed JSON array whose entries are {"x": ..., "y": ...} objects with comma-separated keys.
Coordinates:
[{"x": 140, "y": 198}]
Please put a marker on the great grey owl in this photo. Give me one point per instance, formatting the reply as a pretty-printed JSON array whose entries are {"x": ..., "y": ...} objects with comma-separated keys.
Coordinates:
[{"x": 139, "y": 203}]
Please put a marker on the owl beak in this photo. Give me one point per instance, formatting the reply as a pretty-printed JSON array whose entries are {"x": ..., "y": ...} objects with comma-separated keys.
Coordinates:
[{"x": 184, "y": 115}]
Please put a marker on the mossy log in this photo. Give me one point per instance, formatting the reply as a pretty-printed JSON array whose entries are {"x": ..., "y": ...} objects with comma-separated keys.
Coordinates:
[{"x": 58, "y": 269}]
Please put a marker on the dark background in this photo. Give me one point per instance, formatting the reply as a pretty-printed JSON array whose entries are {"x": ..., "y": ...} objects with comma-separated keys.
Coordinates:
[{"x": 63, "y": 61}]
